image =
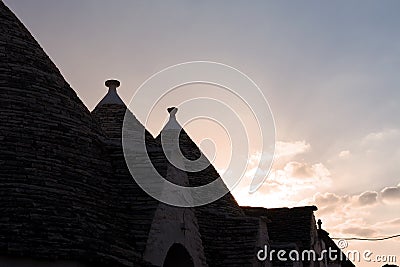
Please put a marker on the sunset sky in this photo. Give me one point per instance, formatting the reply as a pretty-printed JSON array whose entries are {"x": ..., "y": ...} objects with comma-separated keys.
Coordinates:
[{"x": 329, "y": 70}]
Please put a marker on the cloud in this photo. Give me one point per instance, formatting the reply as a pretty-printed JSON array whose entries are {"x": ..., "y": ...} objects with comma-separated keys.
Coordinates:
[
  {"x": 358, "y": 214},
  {"x": 344, "y": 154},
  {"x": 384, "y": 135},
  {"x": 328, "y": 199},
  {"x": 341, "y": 208},
  {"x": 293, "y": 180},
  {"x": 300, "y": 170},
  {"x": 304, "y": 170},
  {"x": 375, "y": 157},
  {"x": 330, "y": 203},
  {"x": 291, "y": 149},
  {"x": 359, "y": 231},
  {"x": 368, "y": 198},
  {"x": 391, "y": 194},
  {"x": 394, "y": 222},
  {"x": 297, "y": 179},
  {"x": 289, "y": 181}
]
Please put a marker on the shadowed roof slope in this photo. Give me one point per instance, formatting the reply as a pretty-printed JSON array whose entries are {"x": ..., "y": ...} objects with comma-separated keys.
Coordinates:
[
  {"x": 192, "y": 152},
  {"x": 54, "y": 201},
  {"x": 134, "y": 208}
]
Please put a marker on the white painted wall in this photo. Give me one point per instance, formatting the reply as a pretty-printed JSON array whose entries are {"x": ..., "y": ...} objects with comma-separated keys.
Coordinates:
[{"x": 174, "y": 224}]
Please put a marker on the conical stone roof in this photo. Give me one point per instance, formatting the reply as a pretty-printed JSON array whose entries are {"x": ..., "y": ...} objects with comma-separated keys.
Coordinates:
[
  {"x": 110, "y": 113},
  {"x": 192, "y": 152},
  {"x": 135, "y": 207},
  {"x": 53, "y": 194}
]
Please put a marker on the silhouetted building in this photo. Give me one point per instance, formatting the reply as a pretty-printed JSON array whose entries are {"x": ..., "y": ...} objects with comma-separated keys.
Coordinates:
[
  {"x": 327, "y": 243},
  {"x": 294, "y": 230},
  {"x": 66, "y": 194}
]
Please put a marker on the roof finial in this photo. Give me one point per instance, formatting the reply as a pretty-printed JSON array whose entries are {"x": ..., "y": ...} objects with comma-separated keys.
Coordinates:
[
  {"x": 172, "y": 111},
  {"x": 112, "y": 84},
  {"x": 112, "y": 96},
  {"x": 319, "y": 224},
  {"x": 172, "y": 123}
]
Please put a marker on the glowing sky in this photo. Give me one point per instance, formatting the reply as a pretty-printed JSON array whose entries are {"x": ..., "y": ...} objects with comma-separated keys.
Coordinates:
[{"x": 328, "y": 69}]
